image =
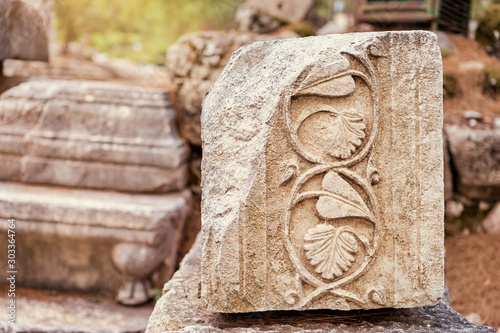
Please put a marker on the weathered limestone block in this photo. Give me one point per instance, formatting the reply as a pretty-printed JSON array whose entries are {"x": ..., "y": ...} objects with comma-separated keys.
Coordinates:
[
  {"x": 93, "y": 240},
  {"x": 24, "y": 29},
  {"x": 475, "y": 154},
  {"x": 91, "y": 135},
  {"x": 322, "y": 175},
  {"x": 180, "y": 310}
]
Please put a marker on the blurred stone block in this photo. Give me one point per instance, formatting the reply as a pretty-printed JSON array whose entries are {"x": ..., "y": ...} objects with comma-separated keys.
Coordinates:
[
  {"x": 195, "y": 61},
  {"x": 322, "y": 175},
  {"x": 91, "y": 135},
  {"x": 24, "y": 29},
  {"x": 289, "y": 10},
  {"x": 491, "y": 223},
  {"x": 92, "y": 240},
  {"x": 475, "y": 154}
]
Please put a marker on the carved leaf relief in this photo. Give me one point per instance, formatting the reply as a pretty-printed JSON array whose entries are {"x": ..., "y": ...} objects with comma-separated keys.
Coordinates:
[
  {"x": 349, "y": 132},
  {"x": 331, "y": 250},
  {"x": 344, "y": 201},
  {"x": 287, "y": 174}
]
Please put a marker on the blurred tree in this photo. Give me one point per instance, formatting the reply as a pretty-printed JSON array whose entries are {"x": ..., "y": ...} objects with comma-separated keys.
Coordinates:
[{"x": 138, "y": 30}]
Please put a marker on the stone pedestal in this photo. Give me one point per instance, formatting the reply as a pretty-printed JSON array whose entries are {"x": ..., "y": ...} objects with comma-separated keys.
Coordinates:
[
  {"x": 180, "y": 309},
  {"x": 322, "y": 175},
  {"x": 97, "y": 241}
]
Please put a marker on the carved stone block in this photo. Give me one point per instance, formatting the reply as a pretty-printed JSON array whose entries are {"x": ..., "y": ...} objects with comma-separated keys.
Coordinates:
[{"x": 322, "y": 175}]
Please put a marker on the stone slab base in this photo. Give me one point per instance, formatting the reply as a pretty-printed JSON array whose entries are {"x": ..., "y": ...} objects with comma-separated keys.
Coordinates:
[
  {"x": 180, "y": 310},
  {"x": 47, "y": 311}
]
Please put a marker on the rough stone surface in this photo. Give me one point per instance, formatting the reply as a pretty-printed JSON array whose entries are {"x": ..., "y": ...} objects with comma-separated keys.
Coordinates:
[
  {"x": 91, "y": 135},
  {"x": 195, "y": 61},
  {"x": 73, "y": 232},
  {"x": 322, "y": 175},
  {"x": 180, "y": 310},
  {"x": 491, "y": 223},
  {"x": 60, "y": 312},
  {"x": 24, "y": 29},
  {"x": 476, "y": 158}
]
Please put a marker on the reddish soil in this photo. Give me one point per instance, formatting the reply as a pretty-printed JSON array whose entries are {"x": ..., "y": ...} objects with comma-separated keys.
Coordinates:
[
  {"x": 471, "y": 96},
  {"x": 473, "y": 275}
]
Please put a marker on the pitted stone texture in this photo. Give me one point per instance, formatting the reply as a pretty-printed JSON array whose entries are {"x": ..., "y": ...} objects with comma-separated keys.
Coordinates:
[
  {"x": 24, "y": 29},
  {"x": 195, "y": 61},
  {"x": 180, "y": 310},
  {"x": 91, "y": 135},
  {"x": 475, "y": 155},
  {"x": 322, "y": 175},
  {"x": 76, "y": 230}
]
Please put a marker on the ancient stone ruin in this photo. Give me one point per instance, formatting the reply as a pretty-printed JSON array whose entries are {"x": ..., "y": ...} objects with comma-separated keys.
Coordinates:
[
  {"x": 323, "y": 175},
  {"x": 95, "y": 175}
]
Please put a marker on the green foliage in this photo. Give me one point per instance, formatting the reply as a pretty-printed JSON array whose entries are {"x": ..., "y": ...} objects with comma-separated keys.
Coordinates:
[
  {"x": 136, "y": 29},
  {"x": 157, "y": 293},
  {"x": 489, "y": 23},
  {"x": 303, "y": 29},
  {"x": 491, "y": 81},
  {"x": 471, "y": 219},
  {"x": 450, "y": 86}
]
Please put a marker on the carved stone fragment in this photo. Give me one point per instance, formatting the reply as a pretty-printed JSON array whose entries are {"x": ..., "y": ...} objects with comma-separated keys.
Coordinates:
[{"x": 322, "y": 175}]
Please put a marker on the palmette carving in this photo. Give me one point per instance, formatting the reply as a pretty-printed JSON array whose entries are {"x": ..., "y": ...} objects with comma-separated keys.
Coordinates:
[
  {"x": 335, "y": 251},
  {"x": 332, "y": 250}
]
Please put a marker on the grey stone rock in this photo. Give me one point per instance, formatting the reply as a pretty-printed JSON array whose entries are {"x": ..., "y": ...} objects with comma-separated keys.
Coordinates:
[
  {"x": 251, "y": 19},
  {"x": 454, "y": 208},
  {"x": 491, "y": 223},
  {"x": 290, "y": 10},
  {"x": 476, "y": 158},
  {"x": 331, "y": 27},
  {"x": 67, "y": 236},
  {"x": 298, "y": 156},
  {"x": 24, "y": 29},
  {"x": 180, "y": 309},
  {"x": 472, "y": 114},
  {"x": 195, "y": 61},
  {"x": 91, "y": 135},
  {"x": 445, "y": 43}
]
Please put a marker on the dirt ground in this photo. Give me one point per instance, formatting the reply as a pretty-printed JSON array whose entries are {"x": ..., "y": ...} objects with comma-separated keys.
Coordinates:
[
  {"x": 464, "y": 64},
  {"x": 473, "y": 275}
]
